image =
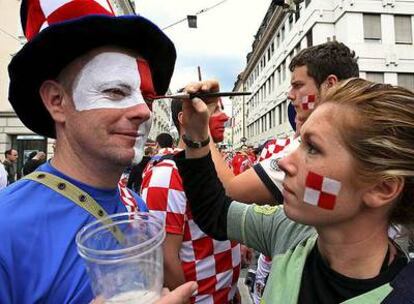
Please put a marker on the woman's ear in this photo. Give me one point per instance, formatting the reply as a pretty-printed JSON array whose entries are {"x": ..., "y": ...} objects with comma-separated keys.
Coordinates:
[
  {"x": 53, "y": 94},
  {"x": 384, "y": 192}
]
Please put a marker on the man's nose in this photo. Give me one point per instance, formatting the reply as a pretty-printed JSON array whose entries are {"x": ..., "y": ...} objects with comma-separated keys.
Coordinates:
[
  {"x": 225, "y": 117},
  {"x": 139, "y": 112}
]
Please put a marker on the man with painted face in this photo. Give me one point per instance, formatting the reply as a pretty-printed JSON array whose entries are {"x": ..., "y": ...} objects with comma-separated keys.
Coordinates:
[
  {"x": 189, "y": 254},
  {"x": 91, "y": 77}
]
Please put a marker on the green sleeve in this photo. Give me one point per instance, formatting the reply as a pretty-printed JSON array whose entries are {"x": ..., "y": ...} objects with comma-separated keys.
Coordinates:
[{"x": 265, "y": 228}]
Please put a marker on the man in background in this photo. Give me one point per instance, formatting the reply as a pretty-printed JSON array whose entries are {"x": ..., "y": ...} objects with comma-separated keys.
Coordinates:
[
  {"x": 10, "y": 165},
  {"x": 34, "y": 161}
]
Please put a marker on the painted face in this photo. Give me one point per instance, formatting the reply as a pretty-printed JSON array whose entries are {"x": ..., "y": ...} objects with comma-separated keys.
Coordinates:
[
  {"x": 303, "y": 94},
  {"x": 321, "y": 185},
  {"x": 110, "y": 93},
  {"x": 216, "y": 123}
]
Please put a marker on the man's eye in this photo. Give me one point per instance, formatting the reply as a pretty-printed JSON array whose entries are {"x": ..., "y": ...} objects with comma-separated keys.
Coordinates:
[{"x": 115, "y": 93}]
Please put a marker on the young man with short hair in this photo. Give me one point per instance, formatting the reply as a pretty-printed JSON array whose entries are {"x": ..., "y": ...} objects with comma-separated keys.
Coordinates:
[{"x": 189, "y": 254}]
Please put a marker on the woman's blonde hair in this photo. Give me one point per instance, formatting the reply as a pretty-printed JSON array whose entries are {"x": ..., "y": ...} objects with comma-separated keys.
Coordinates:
[{"x": 380, "y": 136}]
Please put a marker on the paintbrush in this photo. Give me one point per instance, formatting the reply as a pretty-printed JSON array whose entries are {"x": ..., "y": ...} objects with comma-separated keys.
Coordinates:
[{"x": 202, "y": 95}]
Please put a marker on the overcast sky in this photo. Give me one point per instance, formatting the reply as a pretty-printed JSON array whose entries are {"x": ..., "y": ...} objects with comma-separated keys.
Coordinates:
[{"x": 220, "y": 43}]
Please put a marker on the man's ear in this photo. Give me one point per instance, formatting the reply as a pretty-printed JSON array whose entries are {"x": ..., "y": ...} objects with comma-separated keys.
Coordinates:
[
  {"x": 53, "y": 95},
  {"x": 331, "y": 80},
  {"x": 384, "y": 192},
  {"x": 180, "y": 118}
]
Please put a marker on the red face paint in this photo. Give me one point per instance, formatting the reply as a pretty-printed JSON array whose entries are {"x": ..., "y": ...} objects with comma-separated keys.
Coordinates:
[
  {"x": 308, "y": 102},
  {"x": 216, "y": 125},
  {"x": 147, "y": 86},
  {"x": 321, "y": 191}
]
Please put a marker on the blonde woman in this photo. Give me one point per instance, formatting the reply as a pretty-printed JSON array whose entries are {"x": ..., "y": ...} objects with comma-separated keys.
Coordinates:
[{"x": 350, "y": 178}]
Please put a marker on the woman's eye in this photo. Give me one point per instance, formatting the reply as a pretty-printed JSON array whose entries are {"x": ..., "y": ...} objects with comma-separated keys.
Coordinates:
[
  {"x": 308, "y": 146},
  {"x": 115, "y": 93},
  {"x": 311, "y": 149}
]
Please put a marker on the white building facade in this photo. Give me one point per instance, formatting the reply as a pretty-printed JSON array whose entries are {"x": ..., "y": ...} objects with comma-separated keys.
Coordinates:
[
  {"x": 379, "y": 31},
  {"x": 161, "y": 118}
]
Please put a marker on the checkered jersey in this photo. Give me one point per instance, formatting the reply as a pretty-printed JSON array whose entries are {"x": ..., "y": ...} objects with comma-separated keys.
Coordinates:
[
  {"x": 166, "y": 151},
  {"x": 273, "y": 146},
  {"x": 215, "y": 265}
]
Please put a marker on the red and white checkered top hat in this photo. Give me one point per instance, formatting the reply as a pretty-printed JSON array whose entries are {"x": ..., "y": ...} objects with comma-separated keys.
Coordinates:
[{"x": 58, "y": 31}]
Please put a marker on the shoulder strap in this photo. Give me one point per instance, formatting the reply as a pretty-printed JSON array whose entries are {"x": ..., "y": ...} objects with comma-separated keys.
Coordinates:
[
  {"x": 76, "y": 195},
  {"x": 162, "y": 158}
]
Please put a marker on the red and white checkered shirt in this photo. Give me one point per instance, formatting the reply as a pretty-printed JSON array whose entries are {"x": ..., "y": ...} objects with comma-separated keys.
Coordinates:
[
  {"x": 215, "y": 265},
  {"x": 165, "y": 151},
  {"x": 273, "y": 146}
]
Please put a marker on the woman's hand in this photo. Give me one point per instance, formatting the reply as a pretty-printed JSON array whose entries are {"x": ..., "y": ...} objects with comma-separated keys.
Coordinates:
[{"x": 196, "y": 111}]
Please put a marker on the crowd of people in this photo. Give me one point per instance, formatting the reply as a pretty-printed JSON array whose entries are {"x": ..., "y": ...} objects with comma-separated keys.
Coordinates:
[
  {"x": 329, "y": 210},
  {"x": 9, "y": 172}
]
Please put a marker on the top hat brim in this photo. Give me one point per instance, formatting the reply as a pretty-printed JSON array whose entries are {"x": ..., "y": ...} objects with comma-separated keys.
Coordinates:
[{"x": 45, "y": 56}]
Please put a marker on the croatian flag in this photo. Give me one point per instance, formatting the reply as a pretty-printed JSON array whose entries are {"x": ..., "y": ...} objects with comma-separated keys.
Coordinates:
[
  {"x": 308, "y": 102},
  {"x": 321, "y": 191}
]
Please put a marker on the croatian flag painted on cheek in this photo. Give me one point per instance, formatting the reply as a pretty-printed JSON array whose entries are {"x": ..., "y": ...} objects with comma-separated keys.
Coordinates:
[
  {"x": 321, "y": 191},
  {"x": 308, "y": 102}
]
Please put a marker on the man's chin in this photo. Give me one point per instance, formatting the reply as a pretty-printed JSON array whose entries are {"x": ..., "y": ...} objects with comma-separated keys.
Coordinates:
[{"x": 217, "y": 139}]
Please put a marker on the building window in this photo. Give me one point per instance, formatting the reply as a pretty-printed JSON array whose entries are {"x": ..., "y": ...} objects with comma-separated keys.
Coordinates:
[
  {"x": 279, "y": 75},
  {"x": 284, "y": 110},
  {"x": 283, "y": 33},
  {"x": 372, "y": 27},
  {"x": 403, "y": 31},
  {"x": 309, "y": 38},
  {"x": 297, "y": 12},
  {"x": 297, "y": 48},
  {"x": 375, "y": 77},
  {"x": 406, "y": 80},
  {"x": 284, "y": 71}
]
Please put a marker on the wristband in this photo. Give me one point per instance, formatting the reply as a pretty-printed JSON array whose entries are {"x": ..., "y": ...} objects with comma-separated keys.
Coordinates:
[{"x": 195, "y": 144}]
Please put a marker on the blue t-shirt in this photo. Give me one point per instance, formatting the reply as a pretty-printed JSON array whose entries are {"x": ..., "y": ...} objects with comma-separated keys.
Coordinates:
[{"x": 39, "y": 262}]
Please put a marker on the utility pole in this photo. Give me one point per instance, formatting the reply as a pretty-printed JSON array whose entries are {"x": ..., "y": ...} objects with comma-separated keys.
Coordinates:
[{"x": 199, "y": 73}]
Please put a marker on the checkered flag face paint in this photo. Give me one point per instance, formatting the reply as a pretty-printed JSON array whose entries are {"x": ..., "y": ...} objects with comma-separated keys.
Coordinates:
[
  {"x": 321, "y": 191},
  {"x": 308, "y": 102}
]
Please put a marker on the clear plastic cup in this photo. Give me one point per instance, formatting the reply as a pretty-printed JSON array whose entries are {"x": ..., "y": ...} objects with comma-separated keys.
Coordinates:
[{"x": 126, "y": 267}]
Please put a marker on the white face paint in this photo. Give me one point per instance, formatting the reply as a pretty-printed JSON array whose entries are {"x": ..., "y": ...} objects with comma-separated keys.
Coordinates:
[
  {"x": 109, "y": 80},
  {"x": 143, "y": 131},
  {"x": 112, "y": 80}
]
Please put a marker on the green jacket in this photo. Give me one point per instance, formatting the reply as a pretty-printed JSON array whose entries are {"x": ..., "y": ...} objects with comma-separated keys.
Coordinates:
[{"x": 269, "y": 231}]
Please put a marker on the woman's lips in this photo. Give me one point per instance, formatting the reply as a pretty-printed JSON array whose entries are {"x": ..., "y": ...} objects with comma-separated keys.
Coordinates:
[{"x": 287, "y": 189}]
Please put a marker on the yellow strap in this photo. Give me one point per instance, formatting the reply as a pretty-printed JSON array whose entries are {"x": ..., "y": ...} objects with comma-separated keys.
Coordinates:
[{"x": 76, "y": 195}]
